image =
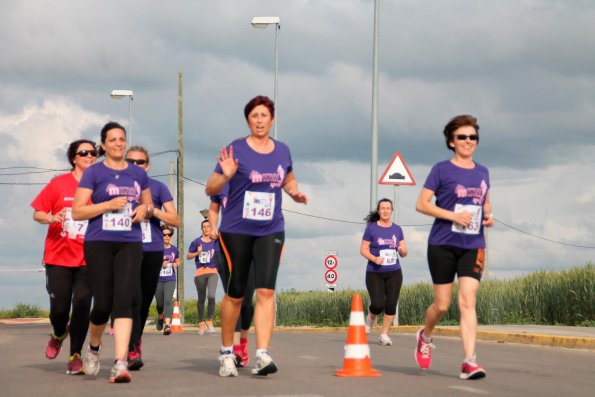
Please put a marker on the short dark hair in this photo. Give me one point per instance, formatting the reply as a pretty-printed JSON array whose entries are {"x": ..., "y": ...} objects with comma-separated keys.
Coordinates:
[
  {"x": 257, "y": 101},
  {"x": 164, "y": 227},
  {"x": 109, "y": 126},
  {"x": 74, "y": 147},
  {"x": 464, "y": 120}
]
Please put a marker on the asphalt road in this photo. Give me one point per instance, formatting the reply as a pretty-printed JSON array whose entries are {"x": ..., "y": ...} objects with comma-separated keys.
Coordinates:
[{"x": 185, "y": 364}]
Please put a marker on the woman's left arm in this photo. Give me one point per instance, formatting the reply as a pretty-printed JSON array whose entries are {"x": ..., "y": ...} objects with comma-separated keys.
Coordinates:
[
  {"x": 168, "y": 214},
  {"x": 488, "y": 216},
  {"x": 291, "y": 188}
]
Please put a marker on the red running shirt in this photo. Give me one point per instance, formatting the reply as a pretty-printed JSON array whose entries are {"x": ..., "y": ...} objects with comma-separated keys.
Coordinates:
[{"x": 64, "y": 241}]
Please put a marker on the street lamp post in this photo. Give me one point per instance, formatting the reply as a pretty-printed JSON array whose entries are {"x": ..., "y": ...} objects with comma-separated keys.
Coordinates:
[
  {"x": 119, "y": 94},
  {"x": 262, "y": 23}
]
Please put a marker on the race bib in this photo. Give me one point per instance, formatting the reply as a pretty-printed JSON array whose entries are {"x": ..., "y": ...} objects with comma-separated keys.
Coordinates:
[
  {"x": 71, "y": 227},
  {"x": 204, "y": 257},
  {"x": 145, "y": 227},
  {"x": 121, "y": 220},
  {"x": 166, "y": 271},
  {"x": 259, "y": 206},
  {"x": 475, "y": 224},
  {"x": 389, "y": 257}
]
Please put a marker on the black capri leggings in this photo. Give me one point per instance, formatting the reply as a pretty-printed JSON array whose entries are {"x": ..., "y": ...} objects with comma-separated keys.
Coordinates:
[
  {"x": 384, "y": 289},
  {"x": 66, "y": 286},
  {"x": 247, "y": 310},
  {"x": 243, "y": 252},
  {"x": 114, "y": 274}
]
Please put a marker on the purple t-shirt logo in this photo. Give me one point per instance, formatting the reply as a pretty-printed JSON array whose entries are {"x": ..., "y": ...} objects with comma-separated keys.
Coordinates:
[
  {"x": 130, "y": 191},
  {"x": 476, "y": 193},
  {"x": 276, "y": 179}
]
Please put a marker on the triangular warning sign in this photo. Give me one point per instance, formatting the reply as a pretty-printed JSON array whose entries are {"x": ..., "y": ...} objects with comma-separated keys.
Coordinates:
[{"x": 397, "y": 173}]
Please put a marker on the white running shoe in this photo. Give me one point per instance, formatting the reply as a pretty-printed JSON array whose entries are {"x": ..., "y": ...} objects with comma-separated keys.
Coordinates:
[
  {"x": 91, "y": 362},
  {"x": 370, "y": 322},
  {"x": 227, "y": 365},
  {"x": 384, "y": 340},
  {"x": 264, "y": 365}
]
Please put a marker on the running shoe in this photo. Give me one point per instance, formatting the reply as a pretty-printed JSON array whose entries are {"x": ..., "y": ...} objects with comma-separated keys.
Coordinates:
[
  {"x": 370, "y": 322},
  {"x": 159, "y": 324},
  {"x": 54, "y": 345},
  {"x": 264, "y": 365},
  {"x": 471, "y": 370},
  {"x": 244, "y": 353},
  {"x": 135, "y": 360},
  {"x": 201, "y": 328},
  {"x": 91, "y": 362},
  {"x": 237, "y": 354},
  {"x": 423, "y": 351},
  {"x": 210, "y": 328},
  {"x": 111, "y": 331},
  {"x": 74, "y": 366},
  {"x": 227, "y": 365},
  {"x": 119, "y": 373},
  {"x": 167, "y": 330},
  {"x": 384, "y": 340}
]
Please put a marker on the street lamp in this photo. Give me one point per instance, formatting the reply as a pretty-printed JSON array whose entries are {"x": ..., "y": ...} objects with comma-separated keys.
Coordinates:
[
  {"x": 119, "y": 94},
  {"x": 262, "y": 23}
]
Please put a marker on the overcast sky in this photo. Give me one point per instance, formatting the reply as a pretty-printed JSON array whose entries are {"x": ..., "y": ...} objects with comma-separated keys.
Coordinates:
[{"x": 525, "y": 69}]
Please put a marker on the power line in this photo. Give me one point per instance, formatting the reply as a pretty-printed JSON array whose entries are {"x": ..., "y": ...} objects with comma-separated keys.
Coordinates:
[{"x": 544, "y": 238}]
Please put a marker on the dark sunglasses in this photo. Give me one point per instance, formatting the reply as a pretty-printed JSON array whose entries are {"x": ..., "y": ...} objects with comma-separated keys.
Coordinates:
[
  {"x": 463, "y": 137},
  {"x": 167, "y": 234},
  {"x": 137, "y": 162},
  {"x": 85, "y": 153}
]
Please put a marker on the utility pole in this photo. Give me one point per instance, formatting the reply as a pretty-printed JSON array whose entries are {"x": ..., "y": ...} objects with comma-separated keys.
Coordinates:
[{"x": 181, "y": 195}]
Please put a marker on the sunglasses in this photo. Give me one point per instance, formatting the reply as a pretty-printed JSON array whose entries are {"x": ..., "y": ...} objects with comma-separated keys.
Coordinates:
[
  {"x": 85, "y": 153},
  {"x": 137, "y": 162},
  {"x": 463, "y": 137},
  {"x": 167, "y": 234}
]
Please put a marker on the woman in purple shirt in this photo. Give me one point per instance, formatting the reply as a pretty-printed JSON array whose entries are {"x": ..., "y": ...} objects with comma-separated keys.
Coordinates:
[
  {"x": 257, "y": 169},
  {"x": 115, "y": 197},
  {"x": 382, "y": 243},
  {"x": 456, "y": 243}
]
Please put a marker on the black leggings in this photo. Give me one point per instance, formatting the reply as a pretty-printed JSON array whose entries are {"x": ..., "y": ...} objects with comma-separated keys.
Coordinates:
[
  {"x": 243, "y": 252},
  {"x": 114, "y": 273},
  {"x": 247, "y": 310},
  {"x": 149, "y": 277},
  {"x": 384, "y": 289},
  {"x": 68, "y": 286}
]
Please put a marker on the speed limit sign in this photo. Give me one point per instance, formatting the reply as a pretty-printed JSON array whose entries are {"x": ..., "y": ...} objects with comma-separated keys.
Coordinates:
[
  {"x": 330, "y": 276},
  {"x": 331, "y": 262}
]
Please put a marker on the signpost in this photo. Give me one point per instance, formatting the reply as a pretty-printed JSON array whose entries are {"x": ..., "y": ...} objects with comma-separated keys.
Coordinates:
[{"x": 331, "y": 262}]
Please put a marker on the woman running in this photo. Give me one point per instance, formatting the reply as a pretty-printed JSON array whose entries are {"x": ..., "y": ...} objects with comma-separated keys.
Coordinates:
[
  {"x": 164, "y": 211},
  {"x": 202, "y": 250},
  {"x": 252, "y": 227},
  {"x": 381, "y": 243},
  {"x": 121, "y": 199},
  {"x": 167, "y": 281},
  {"x": 66, "y": 273},
  {"x": 456, "y": 243}
]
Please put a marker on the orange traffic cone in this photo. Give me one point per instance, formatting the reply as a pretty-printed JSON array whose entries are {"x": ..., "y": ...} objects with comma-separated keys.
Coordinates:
[
  {"x": 357, "y": 351},
  {"x": 176, "y": 325}
]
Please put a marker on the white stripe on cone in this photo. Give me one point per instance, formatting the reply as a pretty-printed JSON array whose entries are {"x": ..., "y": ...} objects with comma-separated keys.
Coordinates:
[
  {"x": 357, "y": 351},
  {"x": 175, "y": 320},
  {"x": 357, "y": 318}
]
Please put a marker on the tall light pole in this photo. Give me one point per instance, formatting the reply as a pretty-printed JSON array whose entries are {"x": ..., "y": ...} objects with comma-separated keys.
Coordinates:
[
  {"x": 262, "y": 23},
  {"x": 119, "y": 94},
  {"x": 374, "y": 133}
]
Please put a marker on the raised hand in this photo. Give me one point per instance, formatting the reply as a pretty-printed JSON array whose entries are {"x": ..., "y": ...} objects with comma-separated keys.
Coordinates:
[{"x": 228, "y": 164}]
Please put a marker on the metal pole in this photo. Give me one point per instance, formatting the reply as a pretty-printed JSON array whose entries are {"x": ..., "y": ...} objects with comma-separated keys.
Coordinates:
[
  {"x": 181, "y": 194},
  {"x": 277, "y": 28},
  {"x": 374, "y": 159},
  {"x": 130, "y": 118}
]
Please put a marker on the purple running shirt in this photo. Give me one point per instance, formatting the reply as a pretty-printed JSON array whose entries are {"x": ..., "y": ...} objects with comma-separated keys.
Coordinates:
[
  {"x": 152, "y": 234},
  {"x": 384, "y": 242},
  {"x": 168, "y": 273},
  {"x": 255, "y": 191},
  {"x": 106, "y": 184},
  {"x": 458, "y": 189}
]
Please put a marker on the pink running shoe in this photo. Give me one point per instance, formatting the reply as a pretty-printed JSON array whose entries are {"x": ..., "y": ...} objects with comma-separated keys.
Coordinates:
[
  {"x": 470, "y": 370},
  {"x": 244, "y": 353},
  {"x": 74, "y": 366},
  {"x": 423, "y": 351},
  {"x": 55, "y": 345}
]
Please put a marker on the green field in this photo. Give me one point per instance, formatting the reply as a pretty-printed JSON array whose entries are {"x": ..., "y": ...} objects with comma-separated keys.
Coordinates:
[{"x": 564, "y": 297}]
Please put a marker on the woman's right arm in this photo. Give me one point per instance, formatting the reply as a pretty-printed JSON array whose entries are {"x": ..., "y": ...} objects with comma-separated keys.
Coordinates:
[
  {"x": 427, "y": 207},
  {"x": 213, "y": 217},
  {"x": 81, "y": 209},
  {"x": 365, "y": 252},
  {"x": 45, "y": 218}
]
